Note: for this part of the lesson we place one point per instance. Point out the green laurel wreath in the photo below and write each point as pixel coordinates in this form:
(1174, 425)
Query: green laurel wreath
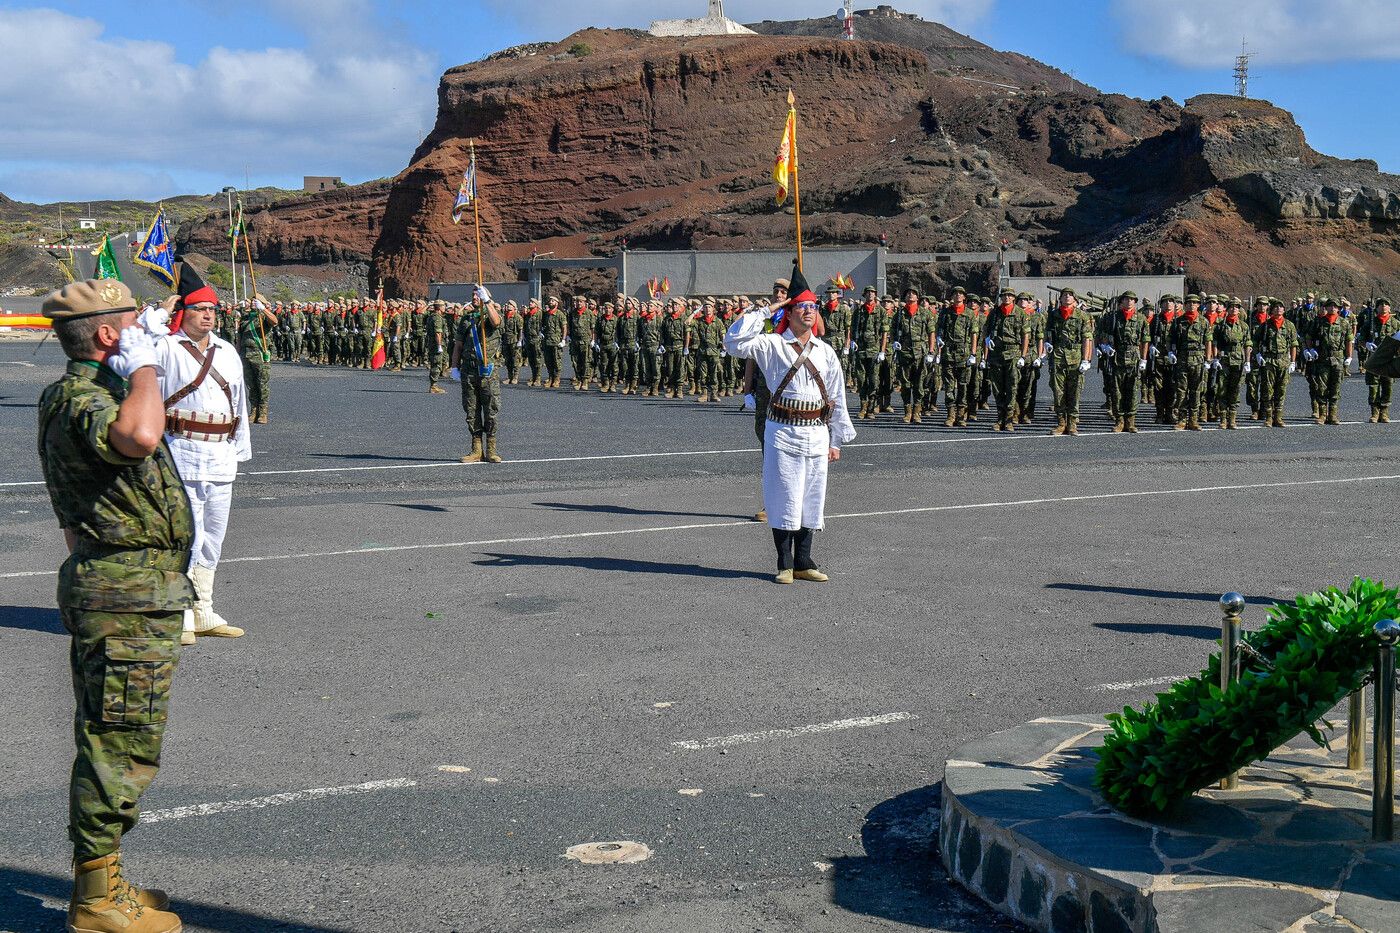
(1308, 657)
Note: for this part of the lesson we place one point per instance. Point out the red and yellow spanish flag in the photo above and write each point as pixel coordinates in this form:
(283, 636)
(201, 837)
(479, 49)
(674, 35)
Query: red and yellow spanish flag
(376, 359)
(786, 161)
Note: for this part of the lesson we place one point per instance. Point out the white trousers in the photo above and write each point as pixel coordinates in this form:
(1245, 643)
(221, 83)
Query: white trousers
(794, 486)
(210, 502)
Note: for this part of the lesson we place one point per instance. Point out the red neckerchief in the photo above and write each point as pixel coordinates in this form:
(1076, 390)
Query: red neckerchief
(1232, 319)
(1277, 322)
(1331, 318)
(911, 308)
(831, 305)
(1190, 315)
(1066, 312)
(1128, 314)
(1383, 316)
(1007, 309)
(709, 319)
(1260, 317)
(869, 307)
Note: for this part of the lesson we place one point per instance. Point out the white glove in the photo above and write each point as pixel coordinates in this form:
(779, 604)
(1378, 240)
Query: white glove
(1083, 366)
(561, 344)
(1348, 362)
(660, 351)
(636, 347)
(520, 343)
(156, 320)
(972, 361)
(595, 345)
(1171, 358)
(1247, 367)
(612, 346)
(1039, 362)
(135, 349)
(1214, 364)
(1258, 359)
(1106, 350)
(880, 357)
(1309, 355)
(749, 403)
(928, 359)
(455, 374)
(482, 293)
(896, 345)
(982, 365)
(685, 351)
(846, 351)
(723, 353)
(1292, 367)
(1142, 366)
(1152, 352)
(1020, 362)
(1370, 346)
(991, 343)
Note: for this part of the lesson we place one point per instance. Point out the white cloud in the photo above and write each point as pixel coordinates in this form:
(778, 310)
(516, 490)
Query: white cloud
(1207, 33)
(550, 20)
(337, 107)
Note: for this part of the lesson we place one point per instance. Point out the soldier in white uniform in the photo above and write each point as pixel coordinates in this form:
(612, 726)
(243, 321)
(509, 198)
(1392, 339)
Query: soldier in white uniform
(206, 427)
(807, 423)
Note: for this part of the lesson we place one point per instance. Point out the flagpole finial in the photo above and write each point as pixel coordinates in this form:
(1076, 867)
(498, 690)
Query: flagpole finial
(791, 100)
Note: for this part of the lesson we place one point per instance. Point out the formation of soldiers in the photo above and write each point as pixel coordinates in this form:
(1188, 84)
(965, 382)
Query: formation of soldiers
(1188, 359)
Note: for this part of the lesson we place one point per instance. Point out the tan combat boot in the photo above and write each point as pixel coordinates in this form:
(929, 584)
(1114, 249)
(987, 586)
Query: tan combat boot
(1059, 427)
(1010, 427)
(1384, 416)
(918, 414)
(475, 455)
(1375, 414)
(104, 902)
(1118, 425)
(1130, 424)
(491, 455)
(961, 421)
(1276, 420)
(952, 418)
(1193, 425)
(908, 414)
(1073, 427)
(436, 390)
(1332, 414)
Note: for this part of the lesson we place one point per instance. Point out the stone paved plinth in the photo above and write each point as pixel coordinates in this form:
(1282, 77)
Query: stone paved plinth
(1024, 828)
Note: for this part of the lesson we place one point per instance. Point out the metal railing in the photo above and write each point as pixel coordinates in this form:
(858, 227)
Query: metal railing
(1383, 699)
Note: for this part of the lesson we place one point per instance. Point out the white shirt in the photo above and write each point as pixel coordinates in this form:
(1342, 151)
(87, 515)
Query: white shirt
(206, 461)
(774, 355)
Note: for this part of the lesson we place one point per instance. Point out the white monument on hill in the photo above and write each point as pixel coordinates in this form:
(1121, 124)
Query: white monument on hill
(714, 24)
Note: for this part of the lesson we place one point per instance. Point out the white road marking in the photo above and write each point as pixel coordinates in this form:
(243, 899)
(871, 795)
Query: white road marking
(1134, 684)
(747, 738)
(1024, 435)
(917, 510)
(275, 800)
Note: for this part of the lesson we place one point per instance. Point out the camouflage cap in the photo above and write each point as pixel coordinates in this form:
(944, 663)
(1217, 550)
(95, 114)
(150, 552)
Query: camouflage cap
(1007, 291)
(1068, 293)
(1025, 296)
(1276, 302)
(870, 290)
(1382, 301)
(1330, 302)
(1235, 302)
(88, 298)
(1194, 298)
(1128, 294)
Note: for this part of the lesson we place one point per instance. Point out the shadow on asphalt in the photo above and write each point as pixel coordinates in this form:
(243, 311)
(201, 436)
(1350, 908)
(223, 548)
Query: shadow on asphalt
(1155, 594)
(1211, 632)
(618, 564)
(901, 877)
(23, 908)
(32, 619)
(394, 458)
(628, 510)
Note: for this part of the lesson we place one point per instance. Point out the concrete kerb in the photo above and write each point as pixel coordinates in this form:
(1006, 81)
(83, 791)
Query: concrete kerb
(1024, 829)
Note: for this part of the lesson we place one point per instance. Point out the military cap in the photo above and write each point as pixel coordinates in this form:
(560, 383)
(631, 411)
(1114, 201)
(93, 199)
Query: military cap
(1007, 291)
(1312, 294)
(88, 298)
(1276, 302)
(782, 283)
(1261, 299)
(1068, 291)
(1128, 294)
(1330, 303)
(959, 290)
(1235, 302)
(1382, 301)
(438, 303)
(1194, 297)
(1025, 296)
(911, 290)
(869, 290)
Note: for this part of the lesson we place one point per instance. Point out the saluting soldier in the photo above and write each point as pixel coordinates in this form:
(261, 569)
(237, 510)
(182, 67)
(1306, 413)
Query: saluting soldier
(122, 591)
(257, 360)
(475, 350)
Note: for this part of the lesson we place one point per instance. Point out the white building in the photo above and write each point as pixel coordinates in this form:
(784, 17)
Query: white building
(714, 24)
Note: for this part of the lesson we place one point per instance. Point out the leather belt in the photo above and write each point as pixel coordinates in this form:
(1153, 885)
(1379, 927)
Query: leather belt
(200, 425)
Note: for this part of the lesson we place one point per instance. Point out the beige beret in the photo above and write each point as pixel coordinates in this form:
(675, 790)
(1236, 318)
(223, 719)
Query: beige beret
(88, 298)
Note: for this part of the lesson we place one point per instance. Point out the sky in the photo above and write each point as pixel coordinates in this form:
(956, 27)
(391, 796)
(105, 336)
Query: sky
(128, 99)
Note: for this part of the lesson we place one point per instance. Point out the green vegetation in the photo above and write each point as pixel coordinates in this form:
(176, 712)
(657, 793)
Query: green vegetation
(1306, 659)
(218, 275)
(580, 50)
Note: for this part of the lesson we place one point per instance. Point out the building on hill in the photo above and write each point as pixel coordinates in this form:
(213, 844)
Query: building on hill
(313, 183)
(715, 23)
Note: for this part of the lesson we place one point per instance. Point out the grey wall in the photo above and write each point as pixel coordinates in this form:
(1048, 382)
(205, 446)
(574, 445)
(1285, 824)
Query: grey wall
(743, 272)
(461, 292)
(1148, 287)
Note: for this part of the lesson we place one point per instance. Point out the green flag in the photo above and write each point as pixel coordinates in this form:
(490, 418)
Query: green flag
(106, 261)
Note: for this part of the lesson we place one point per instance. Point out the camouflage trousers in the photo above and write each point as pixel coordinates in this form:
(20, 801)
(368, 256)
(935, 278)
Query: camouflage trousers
(1066, 382)
(257, 378)
(1273, 383)
(648, 367)
(437, 367)
(533, 360)
(1378, 390)
(581, 357)
(481, 400)
(551, 360)
(122, 665)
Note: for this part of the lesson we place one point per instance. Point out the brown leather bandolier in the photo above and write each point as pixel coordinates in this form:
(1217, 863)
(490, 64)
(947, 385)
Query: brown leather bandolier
(187, 423)
(781, 411)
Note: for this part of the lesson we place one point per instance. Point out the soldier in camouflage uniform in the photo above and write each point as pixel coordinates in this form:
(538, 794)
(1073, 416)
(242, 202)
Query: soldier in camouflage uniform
(913, 342)
(673, 348)
(836, 319)
(1372, 330)
(1252, 373)
(1275, 354)
(257, 359)
(1006, 341)
(554, 329)
(1069, 336)
(629, 348)
(1188, 345)
(530, 338)
(1124, 337)
(961, 349)
(1231, 349)
(122, 591)
(511, 339)
(475, 351)
(1329, 351)
(868, 336)
(1029, 384)
(580, 324)
(439, 344)
(649, 346)
(707, 348)
(608, 349)
(296, 331)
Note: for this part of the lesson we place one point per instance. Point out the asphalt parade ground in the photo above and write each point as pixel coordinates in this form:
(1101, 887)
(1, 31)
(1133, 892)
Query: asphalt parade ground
(454, 673)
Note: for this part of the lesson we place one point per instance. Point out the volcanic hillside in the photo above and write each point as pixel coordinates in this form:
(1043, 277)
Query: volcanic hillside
(932, 138)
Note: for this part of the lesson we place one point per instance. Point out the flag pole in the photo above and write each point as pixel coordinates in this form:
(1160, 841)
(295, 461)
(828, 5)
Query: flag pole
(480, 282)
(796, 191)
(253, 274)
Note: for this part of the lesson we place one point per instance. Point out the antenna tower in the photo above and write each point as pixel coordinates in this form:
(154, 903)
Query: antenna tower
(846, 15)
(1242, 71)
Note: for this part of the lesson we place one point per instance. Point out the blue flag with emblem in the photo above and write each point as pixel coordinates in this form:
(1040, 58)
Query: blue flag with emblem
(466, 192)
(157, 252)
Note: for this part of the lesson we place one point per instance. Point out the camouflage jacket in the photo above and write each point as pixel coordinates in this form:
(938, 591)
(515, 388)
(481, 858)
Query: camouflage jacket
(1275, 343)
(131, 517)
(472, 363)
(868, 328)
(1065, 336)
(1232, 342)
